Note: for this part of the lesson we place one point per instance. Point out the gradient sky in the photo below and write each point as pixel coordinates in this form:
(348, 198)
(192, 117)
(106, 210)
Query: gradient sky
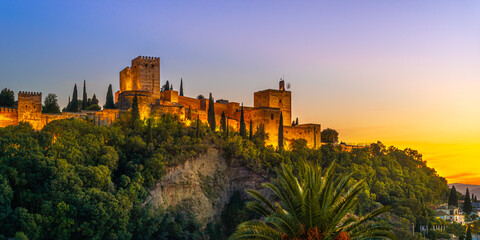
(406, 73)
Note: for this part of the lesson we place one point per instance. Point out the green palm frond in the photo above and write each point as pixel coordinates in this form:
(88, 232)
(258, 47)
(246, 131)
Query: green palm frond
(312, 200)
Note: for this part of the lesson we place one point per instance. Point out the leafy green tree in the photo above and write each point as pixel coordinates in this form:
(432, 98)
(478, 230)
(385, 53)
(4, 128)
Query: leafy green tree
(85, 98)
(243, 130)
(223, 122)
(74, 102)
(109, 104)
(312, 206)
(467, 203)
(135, 110)
(280, 132)
(181, 86)
(50, 104)
(329, 136)
(7, 98)
(453, 199)
(211, 113)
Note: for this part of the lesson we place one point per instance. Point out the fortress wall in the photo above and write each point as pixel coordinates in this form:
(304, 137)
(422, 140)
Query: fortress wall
(146, 72)
(309, 132)
(126, 81)
(174, 110)
(8, 116)
(193, 103)
(232, 108)
(268, 117)
(30, 108)
(145, 100)
(275, 99)
(50, 117)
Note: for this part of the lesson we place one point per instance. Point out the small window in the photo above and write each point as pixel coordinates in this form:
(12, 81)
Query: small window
(153, 66)
(280, 101)
(146, 65)
(271, 116)
(26, 106)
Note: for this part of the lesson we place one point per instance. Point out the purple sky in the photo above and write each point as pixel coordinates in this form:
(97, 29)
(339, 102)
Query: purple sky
(404, 72)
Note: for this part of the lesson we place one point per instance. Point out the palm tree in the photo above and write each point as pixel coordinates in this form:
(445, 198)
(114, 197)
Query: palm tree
(312, 207)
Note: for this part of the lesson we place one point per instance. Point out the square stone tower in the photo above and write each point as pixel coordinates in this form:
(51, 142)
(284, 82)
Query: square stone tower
(143, 75)
(30, 108)
(280, 99)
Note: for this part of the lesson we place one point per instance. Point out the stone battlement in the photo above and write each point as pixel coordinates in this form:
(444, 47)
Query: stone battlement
(147, 59)
(8, 110)
(29, 94)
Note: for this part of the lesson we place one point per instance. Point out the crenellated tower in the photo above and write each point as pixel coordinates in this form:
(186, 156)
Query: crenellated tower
(30, 108)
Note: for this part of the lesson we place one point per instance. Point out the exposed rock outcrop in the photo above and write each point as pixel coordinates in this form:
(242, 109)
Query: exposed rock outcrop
(203, 185)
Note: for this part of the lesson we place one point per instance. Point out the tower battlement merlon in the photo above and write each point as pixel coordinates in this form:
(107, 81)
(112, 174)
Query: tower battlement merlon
(8, 110)
(29, 94)
(146, 59)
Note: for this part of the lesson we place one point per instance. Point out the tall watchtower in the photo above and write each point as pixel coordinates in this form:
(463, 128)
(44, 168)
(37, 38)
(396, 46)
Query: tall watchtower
(145, 72)
(280, 99)
(30, 108)
(143, 75)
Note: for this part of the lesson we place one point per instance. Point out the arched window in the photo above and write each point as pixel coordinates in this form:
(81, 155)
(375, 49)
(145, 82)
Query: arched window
(271, 116)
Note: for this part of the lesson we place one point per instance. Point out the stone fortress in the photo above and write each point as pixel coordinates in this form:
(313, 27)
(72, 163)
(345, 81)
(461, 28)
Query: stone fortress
(143, 79)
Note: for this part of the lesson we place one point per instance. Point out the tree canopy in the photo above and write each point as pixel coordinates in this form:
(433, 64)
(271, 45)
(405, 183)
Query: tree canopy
(329, 136)
(7, 98)
(50, 104)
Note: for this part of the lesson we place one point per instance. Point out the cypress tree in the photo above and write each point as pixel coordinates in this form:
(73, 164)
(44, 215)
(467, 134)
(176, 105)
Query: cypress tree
(109, 104)
(467, 204)
(243, 130)
(74, 103)
(189, 114)
(296, 121)
(85, 98)
(69, 105)
(135, 110)
(223, 122)
(280, 132)
(227, 128)
(211, 113)
(198, 126)
(181, 87)
(94, 100)
(251, 130)
(452, 199)
(469, 233)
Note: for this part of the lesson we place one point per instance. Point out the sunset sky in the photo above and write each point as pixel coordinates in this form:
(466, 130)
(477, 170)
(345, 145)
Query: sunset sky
(406, 73)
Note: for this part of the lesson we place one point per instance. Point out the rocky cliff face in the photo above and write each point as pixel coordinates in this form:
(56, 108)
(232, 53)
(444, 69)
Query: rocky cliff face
(203, 185)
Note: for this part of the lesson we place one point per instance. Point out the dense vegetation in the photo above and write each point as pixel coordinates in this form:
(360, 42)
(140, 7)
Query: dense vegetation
(74, 180)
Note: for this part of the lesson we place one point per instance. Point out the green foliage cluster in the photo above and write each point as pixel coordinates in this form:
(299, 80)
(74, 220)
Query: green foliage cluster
(73, 180)
(394, 177)
(7, 98)
(50, 104)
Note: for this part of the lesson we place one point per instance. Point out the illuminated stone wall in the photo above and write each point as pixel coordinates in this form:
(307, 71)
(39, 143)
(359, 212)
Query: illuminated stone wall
(30, 108)
(193, 103)
(8, 116)
(309, 132)
(144, 98)
(275, 99)
(145, 72)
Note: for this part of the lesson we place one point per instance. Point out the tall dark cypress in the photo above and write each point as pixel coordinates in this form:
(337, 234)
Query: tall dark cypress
(280, 132)
(243, 130)
(74, 103)
(85, 98)
(467, 204)
(251, 130)
(452, 199)
(109, 104)
(198, 126)
(181, 87)
(211, 113)
(469, 233)
(223, 122)
(135, 110)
